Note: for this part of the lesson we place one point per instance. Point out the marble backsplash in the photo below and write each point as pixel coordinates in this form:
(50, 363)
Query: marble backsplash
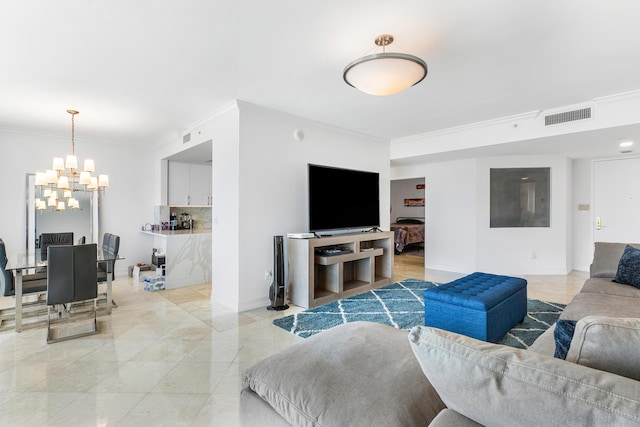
(201, 215)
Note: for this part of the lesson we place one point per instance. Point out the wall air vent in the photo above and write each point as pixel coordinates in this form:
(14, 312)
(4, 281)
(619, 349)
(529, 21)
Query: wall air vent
(186, 138)
(567, 116)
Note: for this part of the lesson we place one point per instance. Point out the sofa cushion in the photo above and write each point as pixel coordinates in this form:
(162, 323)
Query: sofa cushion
(607, 286)
(503, 386)
(606, 257)
(256, 412)
(449, 418)
(607, 343)
(629, 267)
(587, 304)
(563, 333)
(545, 343)
(358, 373)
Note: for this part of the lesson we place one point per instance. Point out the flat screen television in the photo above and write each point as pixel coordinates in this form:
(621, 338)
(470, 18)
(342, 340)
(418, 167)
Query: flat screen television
(343, 198)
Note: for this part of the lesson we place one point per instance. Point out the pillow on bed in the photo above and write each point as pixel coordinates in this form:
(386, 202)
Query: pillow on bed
(409, 221)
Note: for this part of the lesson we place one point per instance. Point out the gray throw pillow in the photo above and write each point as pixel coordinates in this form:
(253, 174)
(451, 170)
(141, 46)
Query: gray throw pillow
(629, 267)
(607, 343)
(495, 385)
(356, 374)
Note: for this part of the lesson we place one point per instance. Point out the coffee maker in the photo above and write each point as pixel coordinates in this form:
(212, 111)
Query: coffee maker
(186, 221)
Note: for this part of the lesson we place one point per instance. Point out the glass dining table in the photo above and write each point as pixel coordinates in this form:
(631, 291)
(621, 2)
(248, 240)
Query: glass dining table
(22, 263)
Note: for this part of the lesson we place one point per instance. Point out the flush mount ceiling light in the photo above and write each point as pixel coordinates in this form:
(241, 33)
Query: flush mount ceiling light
(385, 73)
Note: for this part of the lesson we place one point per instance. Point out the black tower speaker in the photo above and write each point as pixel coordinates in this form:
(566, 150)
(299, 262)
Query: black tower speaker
(277, 291)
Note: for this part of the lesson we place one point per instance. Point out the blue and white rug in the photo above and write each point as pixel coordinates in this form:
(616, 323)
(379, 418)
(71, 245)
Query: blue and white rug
(401, 305)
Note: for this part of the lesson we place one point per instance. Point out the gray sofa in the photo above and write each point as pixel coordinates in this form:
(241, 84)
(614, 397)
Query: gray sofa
(372, 375)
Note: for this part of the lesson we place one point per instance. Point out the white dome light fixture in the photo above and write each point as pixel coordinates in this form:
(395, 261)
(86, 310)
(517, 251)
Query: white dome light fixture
(385, 73)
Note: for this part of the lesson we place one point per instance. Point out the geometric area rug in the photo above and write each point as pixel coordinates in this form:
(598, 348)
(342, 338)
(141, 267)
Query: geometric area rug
(401, 305)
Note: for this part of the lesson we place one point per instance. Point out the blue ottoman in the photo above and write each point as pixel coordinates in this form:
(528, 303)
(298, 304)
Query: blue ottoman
(482, 306)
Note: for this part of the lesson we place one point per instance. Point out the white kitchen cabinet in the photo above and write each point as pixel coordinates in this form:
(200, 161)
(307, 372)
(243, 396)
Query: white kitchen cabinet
(189, 184)
(200, 185)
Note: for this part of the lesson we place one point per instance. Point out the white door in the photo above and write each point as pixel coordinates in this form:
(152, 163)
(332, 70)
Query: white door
(616, 200)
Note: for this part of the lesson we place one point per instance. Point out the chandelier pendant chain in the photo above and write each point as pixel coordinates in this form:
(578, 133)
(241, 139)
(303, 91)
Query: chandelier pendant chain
(73, 131)
(73, 136)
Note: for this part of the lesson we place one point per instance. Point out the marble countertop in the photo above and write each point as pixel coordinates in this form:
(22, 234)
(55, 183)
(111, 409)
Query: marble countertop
(167, 233)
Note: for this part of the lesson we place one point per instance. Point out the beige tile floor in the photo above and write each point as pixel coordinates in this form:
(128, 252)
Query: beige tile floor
(165, 358)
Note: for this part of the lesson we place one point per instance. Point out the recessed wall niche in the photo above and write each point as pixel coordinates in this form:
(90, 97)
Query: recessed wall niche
(520, 197)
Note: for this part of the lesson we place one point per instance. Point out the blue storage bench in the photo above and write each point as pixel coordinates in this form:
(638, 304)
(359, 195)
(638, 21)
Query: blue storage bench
(480, 305)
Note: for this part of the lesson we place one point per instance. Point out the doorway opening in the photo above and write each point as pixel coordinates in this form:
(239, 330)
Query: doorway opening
(408, 218)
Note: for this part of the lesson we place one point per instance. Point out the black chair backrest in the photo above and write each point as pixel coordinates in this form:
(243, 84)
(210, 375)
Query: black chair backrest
(105, 241)
(110, 248)
(114, 245)
(72, 273)
(48, 239)
(6, 278)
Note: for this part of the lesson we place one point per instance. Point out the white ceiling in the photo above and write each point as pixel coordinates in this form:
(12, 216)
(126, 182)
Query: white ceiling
(140, 71)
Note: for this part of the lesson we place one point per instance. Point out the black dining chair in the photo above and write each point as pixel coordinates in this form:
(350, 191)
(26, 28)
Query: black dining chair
(48, 239)
(110, 248)
(31, 283)
(72, 279)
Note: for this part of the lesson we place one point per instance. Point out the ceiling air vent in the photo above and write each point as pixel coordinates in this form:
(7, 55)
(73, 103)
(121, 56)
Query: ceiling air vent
(567, 116)
(186, 138)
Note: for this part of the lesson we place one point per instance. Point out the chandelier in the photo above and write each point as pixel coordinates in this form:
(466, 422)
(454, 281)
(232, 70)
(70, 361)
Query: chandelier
(385, 73)
(61, 181)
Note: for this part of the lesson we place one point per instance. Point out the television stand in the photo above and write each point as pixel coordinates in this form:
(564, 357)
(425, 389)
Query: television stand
(318, 275)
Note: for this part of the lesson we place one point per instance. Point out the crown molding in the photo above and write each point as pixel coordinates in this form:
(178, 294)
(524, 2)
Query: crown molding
(250, 107)
(226, 108)
(510, 120)
(45, 134)
(619, 97)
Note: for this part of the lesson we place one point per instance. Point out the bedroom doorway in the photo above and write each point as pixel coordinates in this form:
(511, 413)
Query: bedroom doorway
(408, 219)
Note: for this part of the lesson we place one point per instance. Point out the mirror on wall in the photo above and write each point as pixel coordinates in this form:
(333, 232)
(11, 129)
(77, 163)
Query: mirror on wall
(82, 221)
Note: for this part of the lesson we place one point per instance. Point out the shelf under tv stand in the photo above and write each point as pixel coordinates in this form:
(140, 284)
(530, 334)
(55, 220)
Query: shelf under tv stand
(318, 279)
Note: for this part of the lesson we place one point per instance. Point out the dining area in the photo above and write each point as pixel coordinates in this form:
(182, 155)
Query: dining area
(64, 284)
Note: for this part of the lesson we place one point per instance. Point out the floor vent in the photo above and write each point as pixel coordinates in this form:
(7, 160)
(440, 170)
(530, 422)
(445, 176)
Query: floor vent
(567, 116)
(186, 138)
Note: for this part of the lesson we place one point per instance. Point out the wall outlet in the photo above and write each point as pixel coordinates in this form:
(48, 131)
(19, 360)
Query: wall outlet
(534, 255)
(268, 275)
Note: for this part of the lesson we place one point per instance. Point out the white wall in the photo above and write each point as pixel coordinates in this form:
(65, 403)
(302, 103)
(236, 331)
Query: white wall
(273, 184)
(582, 219)
(226, 220)
(450, 211)
(222, 128)
(458, 237)
(539, 250)
(406, 189)
(123, 205)
(260, 188)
